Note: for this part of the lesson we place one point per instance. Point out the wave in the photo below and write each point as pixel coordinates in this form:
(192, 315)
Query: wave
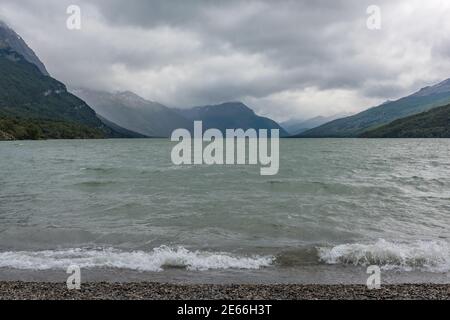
(156, 260)
(430, 256)
(95, 183)
(425, 256)
(99, 169)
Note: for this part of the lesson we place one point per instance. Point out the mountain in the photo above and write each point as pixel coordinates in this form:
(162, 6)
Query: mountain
(431, 124)
(353, 126)
(230, 115)
(10, 39)
(122, 132)
(295, 127)
(36, 106)
(130, 111)
(156, 120)
(33, 105)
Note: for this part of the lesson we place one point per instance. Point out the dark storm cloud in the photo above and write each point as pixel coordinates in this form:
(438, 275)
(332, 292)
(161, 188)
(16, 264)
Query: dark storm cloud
(286, 58)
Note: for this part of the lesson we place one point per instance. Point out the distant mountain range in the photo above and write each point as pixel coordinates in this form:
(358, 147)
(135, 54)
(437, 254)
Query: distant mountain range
(153, 119)
(295, 127)
(230, 115)
(130, 111)
(35, 106)
(430, 124)
(354, 126)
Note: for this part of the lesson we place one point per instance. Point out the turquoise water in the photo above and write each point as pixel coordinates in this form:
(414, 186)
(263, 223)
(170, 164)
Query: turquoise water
(121, 207)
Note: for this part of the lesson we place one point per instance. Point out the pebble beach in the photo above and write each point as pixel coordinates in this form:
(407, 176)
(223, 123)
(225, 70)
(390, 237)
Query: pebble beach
(159, 291)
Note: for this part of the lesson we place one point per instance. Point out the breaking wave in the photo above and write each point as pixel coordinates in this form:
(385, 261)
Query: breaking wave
(431, 256)
(156, 260)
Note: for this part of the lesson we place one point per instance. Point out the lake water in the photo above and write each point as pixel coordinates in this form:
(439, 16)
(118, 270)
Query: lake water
(122, 211)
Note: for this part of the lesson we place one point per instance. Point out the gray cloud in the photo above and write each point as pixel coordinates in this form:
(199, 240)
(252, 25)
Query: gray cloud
(289, 58)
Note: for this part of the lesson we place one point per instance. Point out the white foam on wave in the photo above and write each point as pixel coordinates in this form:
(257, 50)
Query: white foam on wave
(431, 256)
(154, 260)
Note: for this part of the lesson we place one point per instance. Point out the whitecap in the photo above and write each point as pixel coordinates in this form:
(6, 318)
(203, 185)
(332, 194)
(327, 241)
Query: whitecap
(155, 260)
(431, 256)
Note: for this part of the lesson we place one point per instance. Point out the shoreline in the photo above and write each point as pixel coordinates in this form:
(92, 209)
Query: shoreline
(18, 290)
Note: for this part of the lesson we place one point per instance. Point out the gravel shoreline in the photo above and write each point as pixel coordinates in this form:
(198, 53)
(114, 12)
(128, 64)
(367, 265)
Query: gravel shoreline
(159, 291)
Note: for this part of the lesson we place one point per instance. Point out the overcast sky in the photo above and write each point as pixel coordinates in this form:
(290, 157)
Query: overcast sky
(285, 59)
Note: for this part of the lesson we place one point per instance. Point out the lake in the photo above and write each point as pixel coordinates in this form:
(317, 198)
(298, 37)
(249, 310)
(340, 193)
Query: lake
(122, 211)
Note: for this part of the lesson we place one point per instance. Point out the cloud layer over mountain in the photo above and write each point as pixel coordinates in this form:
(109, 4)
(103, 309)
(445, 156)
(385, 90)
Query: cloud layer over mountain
(289, 58)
